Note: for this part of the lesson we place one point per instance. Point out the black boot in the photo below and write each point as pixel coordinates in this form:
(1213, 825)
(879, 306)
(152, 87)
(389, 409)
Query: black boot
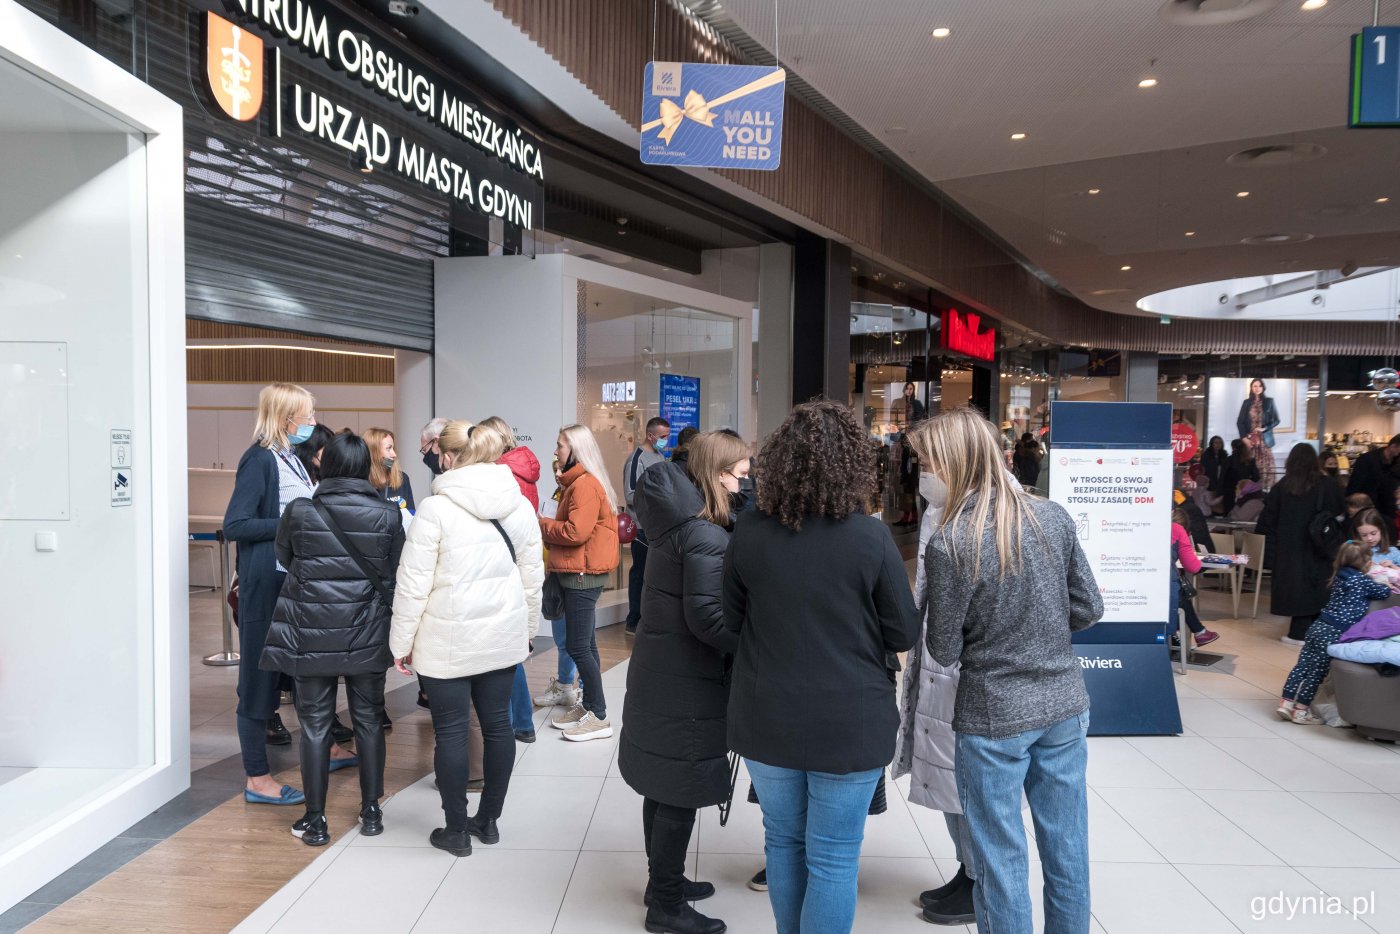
(277, 734)
(371, 820)
(484, 830)
(456, 842)
(954, 908)
(691, 891)
(341, 733)
(684, 920)
(312, 830)
(943, 891)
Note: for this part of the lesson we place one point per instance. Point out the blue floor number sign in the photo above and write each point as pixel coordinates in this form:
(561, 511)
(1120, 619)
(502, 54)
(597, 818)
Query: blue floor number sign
(720, 116)
(1375, 77)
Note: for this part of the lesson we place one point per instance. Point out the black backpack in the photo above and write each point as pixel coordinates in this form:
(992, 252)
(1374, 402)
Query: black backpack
(1325, 531)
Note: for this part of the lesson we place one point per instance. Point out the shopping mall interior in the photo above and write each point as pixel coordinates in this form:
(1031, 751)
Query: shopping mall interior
(1119, 230)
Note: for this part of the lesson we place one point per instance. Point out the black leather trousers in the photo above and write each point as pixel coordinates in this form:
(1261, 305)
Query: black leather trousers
(315, 699)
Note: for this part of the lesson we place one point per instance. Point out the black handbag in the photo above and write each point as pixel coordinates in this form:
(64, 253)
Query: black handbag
(552, 598)
(1185, 589)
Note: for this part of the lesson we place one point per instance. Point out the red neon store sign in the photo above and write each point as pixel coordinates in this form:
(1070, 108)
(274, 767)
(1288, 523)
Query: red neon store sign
(960, 334)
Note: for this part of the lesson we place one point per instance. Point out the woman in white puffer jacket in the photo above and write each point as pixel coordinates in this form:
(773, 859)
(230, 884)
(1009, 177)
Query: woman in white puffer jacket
(466, 607)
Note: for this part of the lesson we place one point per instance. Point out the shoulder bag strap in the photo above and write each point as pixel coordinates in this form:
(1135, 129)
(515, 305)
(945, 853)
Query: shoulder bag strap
(509, 546)
(354, 553)
(632, 468)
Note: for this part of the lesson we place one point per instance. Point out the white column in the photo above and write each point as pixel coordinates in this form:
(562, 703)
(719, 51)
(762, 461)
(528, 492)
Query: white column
(413, 407)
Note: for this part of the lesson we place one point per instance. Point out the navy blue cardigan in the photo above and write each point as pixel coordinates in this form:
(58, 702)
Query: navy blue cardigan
(251, 520)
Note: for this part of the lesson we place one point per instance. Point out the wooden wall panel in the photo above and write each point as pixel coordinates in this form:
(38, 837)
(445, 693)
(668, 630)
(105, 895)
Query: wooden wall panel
(274, 364)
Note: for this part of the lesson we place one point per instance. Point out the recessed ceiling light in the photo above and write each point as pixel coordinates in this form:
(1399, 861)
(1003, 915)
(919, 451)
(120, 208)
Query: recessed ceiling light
(1190, 233)
(1311, 5)
(1018, 136)
(1382, 200)
(1125, 268)
(1147, 83)
(1241, 194)
(1093, 191)
(942, 32)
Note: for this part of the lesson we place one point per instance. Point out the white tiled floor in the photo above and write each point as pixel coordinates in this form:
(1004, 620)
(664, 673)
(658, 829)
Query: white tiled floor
(1190, 833)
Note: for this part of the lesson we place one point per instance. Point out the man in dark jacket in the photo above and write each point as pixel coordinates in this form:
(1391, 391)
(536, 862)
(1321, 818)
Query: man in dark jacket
(1373, 473)
(341, 550)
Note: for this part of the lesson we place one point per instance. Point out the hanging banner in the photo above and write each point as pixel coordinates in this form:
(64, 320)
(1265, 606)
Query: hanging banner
(716, 116)
(1110, 466)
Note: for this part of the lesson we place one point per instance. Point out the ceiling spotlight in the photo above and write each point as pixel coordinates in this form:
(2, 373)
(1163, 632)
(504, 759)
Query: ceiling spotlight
(1241, 194)
(1018, 136)
(1190, 233)
(1382, 200)
(1147, 83)
(1310, 5)
(942, 32)
(1125, 268)
(1093, 191)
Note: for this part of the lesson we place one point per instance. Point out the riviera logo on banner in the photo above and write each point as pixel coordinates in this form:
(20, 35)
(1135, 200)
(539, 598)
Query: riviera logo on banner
(719, 116)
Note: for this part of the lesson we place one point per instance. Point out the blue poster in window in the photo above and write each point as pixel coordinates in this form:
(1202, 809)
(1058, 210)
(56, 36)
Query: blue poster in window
(720, 116)
(680, 401)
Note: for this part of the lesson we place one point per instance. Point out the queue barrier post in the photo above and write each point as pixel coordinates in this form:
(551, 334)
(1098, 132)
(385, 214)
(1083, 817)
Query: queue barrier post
(228, 656)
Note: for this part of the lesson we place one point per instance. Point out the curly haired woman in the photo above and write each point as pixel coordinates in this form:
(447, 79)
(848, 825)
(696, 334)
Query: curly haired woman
(818, 597)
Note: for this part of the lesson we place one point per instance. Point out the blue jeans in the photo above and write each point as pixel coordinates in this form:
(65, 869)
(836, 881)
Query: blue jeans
(1049, 764)
(813, 826)
(580, 615)
(522, 711)
(568, 671)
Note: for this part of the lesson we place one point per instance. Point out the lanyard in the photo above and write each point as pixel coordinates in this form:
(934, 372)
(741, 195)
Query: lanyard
(297, 467)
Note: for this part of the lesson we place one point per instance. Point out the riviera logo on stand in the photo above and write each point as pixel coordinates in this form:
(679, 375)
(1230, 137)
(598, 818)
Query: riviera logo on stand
(720, 116)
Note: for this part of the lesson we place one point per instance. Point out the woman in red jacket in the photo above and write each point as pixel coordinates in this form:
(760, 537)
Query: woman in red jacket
(526, 468)
(1185, 553)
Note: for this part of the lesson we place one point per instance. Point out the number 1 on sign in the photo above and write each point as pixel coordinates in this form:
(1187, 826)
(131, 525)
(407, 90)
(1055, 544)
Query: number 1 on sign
(1380, 50)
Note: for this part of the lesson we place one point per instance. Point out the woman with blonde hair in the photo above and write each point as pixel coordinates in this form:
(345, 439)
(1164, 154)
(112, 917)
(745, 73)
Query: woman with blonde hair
(583, 551)
(270, 476)
(465, 609)
(385, 473)
(672, 750)
(1006, 584)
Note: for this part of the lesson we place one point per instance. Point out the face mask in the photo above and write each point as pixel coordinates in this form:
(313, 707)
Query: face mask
(660, 443)
(934, 490)
(430, 460)
(302, 434)
(388, 463)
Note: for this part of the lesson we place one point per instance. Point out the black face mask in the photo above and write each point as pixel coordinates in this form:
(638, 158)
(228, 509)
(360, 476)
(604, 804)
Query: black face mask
(744, 500)
(1333, 471)
(431, 461)
(570, 464)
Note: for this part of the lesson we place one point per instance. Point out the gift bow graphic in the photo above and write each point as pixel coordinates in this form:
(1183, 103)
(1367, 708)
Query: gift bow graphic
(698, 109)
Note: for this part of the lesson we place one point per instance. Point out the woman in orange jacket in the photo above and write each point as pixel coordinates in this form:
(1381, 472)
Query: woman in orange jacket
(583, 551)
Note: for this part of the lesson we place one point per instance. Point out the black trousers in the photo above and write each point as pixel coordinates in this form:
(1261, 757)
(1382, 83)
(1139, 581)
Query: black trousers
(315, 699)
(635, 578)
(581, 624)
(451, 701)
(667, 829)
(1298, 626)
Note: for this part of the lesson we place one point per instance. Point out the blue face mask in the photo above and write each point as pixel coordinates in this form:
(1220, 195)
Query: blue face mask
(660, 443)
(303, 433)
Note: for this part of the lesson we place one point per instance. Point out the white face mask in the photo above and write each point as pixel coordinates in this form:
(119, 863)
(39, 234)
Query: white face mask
(934, 490)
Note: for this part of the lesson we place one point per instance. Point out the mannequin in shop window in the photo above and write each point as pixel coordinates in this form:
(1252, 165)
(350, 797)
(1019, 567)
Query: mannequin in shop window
(914, 410)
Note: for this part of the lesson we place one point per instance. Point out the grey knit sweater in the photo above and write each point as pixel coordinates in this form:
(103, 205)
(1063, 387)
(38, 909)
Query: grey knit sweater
(1012, 635)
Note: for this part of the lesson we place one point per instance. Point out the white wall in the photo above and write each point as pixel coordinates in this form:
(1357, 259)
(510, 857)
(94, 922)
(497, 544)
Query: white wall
(95, 634)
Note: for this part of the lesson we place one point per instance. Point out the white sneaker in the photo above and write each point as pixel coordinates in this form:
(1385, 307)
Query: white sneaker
(569, 718)
(589, 727)
(1287, 641)
(558, 695)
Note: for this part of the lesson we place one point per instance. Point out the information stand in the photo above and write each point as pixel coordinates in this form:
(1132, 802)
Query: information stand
(1111, 468)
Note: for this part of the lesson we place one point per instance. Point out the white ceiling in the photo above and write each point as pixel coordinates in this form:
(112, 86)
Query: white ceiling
(1065, 72)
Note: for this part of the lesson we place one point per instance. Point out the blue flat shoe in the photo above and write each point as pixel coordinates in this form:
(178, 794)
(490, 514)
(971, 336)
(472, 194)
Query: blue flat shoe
(338, 764)
(289, 795)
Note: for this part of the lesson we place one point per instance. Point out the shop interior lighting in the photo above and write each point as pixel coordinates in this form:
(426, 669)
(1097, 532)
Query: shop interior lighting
(297, 347)
(942, 32)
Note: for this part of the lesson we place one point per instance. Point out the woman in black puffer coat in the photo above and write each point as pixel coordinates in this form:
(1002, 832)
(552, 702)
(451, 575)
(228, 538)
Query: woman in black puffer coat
(673, 750)
(331, 621)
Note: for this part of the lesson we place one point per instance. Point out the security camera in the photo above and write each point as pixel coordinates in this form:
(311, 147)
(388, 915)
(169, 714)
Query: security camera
(403, 8)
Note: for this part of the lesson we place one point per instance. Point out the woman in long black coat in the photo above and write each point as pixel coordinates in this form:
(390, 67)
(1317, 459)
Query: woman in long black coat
(1300, 572)
(673, 750)
(332, 621)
